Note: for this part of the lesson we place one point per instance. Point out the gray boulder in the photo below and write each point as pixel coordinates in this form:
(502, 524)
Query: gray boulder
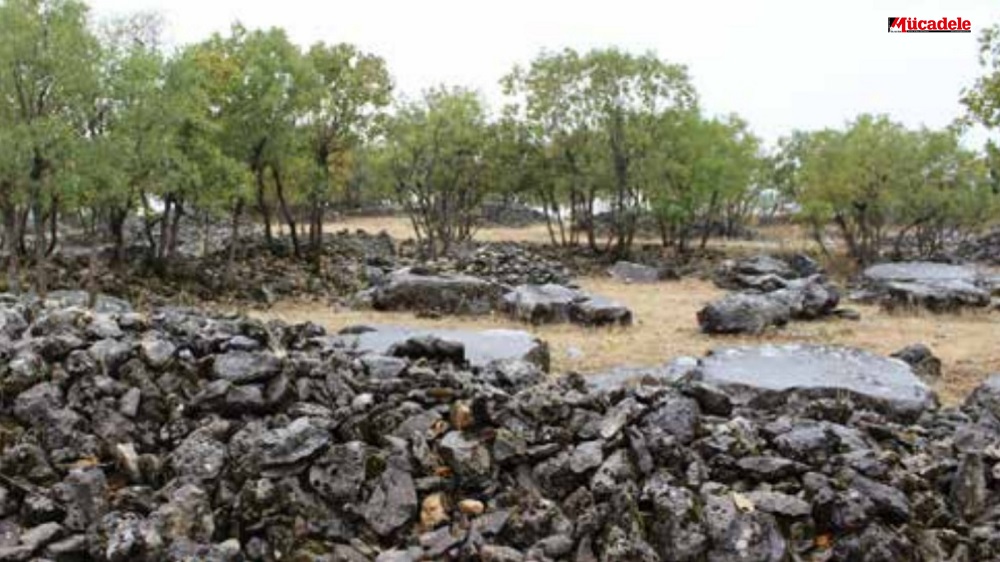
(922, 360)
(540, 304)
(743, 313)
(629, 272)
(242, 367)
(809, 298)
(415, 290)
(554, 304)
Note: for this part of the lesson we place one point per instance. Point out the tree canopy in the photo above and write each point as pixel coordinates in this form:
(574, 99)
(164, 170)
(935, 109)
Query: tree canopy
(101, 122)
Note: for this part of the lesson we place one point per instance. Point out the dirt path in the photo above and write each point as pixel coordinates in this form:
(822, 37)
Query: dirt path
(666, 328)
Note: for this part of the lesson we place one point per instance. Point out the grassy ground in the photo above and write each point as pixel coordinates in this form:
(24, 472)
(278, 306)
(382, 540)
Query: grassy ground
(779, 238)
(666, 327)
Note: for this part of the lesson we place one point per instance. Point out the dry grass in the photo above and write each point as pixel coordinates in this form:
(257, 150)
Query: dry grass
(666, 328)
(782, 238)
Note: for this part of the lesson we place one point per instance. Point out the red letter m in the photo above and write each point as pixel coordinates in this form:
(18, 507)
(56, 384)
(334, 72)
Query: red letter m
(898, 23)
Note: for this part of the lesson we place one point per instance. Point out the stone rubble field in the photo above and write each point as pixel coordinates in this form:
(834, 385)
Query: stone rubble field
(175, 435)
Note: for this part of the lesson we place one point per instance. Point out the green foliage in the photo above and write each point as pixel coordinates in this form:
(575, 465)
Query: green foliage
(599, 118)
(435, 158)
(876, 177)
(983, 99)
(705, 172)
(105, 123)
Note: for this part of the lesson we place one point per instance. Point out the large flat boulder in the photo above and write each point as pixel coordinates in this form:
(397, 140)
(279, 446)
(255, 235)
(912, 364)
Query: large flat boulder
(555, 304)
(481, 347)
(771, 371)
(421, 291)
(938, 287)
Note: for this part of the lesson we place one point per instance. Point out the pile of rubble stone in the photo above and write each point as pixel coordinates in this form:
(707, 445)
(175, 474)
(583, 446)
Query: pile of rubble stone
(510, 263)
(514, 215)
(767, 292)
(175, 436)
(985, 249)
(261, 273)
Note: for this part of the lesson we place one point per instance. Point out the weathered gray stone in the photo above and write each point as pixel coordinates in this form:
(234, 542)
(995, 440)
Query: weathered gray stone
(467, 456)
(820, 371)
(635, 273)
(743, 313)
(554, 304)
(411, 289)
(922, 360)
(393, 503)
(243, 367)
(938, 287)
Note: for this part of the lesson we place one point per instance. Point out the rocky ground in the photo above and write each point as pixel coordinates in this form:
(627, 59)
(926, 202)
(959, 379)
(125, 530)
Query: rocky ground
(174, 435)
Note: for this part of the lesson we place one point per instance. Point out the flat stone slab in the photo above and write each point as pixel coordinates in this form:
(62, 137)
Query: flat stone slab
(921, 271)
(821, 371)
(938, 287)
(481, 347)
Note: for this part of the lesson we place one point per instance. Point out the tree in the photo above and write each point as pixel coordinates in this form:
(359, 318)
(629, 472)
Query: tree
(48, 60)
(127, 124)
(603, 105)
(982, 100)
(435, 158)
(877, 180)
(260, 85)
(344, 111)
(199, 168)
(700, 175)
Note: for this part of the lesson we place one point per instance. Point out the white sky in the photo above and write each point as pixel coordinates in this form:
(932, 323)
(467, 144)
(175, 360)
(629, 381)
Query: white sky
(781, 64)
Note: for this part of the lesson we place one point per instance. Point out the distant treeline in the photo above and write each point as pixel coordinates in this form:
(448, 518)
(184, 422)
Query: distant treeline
(103, 123)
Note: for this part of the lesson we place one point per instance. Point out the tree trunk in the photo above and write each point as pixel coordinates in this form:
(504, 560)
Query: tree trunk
(262, 206)
(92, 276)
(289, 218)
(706, 227)
(11, 238)
(204, 249)
(234, 238)
(148, 223)
(161, 250)
(22, 230)
(41, 279)
(175, 224)
(53, 226)
(316, 233)
(116, 224)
